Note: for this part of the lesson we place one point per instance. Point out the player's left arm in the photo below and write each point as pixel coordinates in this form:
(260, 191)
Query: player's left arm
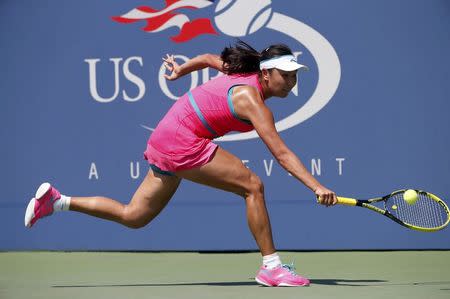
(197, 63)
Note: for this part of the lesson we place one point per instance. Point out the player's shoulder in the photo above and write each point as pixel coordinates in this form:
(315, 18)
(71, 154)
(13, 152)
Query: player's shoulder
(247, 95)
(247, 102)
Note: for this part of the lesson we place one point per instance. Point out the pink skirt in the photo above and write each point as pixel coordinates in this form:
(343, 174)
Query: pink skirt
(176, 144)
(175, 162)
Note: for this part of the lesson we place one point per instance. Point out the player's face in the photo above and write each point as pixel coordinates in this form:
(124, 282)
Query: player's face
(281, 82)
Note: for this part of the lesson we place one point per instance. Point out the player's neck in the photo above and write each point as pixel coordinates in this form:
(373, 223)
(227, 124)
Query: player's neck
(265, 89)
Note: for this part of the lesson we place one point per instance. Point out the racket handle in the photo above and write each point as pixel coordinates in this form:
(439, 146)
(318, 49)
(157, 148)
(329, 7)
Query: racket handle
(343, 201)
(346, 201)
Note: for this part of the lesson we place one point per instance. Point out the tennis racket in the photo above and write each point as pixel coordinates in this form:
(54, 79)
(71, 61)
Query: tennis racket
(428, 214)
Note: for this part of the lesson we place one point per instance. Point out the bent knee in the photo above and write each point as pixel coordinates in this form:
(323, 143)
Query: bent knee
(136, 224)
(134, 220)
(253, 186)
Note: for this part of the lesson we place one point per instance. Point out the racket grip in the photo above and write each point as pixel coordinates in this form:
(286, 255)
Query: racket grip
(346, 201)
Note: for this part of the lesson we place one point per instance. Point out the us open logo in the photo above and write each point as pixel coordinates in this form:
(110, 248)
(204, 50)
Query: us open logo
(239, 18)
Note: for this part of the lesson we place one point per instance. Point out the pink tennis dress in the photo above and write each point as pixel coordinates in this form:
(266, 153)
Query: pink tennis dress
(183, 138)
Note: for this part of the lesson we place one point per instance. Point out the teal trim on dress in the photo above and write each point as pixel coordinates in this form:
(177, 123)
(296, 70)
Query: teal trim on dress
(160, 171)
(200, 115)
(230, 105)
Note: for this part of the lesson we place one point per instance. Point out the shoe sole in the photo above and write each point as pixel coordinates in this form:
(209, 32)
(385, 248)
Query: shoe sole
(283, 284)
(261, 282)
(42, 190)
(29, 213)
(40, 193)
(292, 285)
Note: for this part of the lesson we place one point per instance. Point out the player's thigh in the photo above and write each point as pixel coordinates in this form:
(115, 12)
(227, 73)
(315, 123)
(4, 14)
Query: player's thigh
(225, 171)
(152, 196)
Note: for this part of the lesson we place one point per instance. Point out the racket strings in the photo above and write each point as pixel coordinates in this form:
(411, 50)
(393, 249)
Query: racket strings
(426, 212)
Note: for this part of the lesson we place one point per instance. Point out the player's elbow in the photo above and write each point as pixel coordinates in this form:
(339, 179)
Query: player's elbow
(209, 58)
(213, 61)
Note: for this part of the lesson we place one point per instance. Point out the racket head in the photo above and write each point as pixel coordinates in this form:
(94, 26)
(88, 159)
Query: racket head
(428, 214)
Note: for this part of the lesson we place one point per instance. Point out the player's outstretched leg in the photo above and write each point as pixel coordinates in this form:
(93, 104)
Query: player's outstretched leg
(149, 199)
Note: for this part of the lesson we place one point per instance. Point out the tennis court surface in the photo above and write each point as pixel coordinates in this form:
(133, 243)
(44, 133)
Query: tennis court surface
(389, 274)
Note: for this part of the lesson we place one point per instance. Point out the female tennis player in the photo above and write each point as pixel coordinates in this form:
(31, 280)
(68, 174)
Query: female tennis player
(181, 147)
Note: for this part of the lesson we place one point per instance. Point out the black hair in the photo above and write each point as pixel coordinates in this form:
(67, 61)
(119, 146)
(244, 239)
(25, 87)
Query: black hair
(244, 59)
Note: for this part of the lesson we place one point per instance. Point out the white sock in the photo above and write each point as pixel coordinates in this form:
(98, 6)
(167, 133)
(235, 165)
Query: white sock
(61, 204)
(271, 261)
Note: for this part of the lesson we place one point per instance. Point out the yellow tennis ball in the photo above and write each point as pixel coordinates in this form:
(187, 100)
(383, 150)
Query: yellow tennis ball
(410, 196)
(394, 207)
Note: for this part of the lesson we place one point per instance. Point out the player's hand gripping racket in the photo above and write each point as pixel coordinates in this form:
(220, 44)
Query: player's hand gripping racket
(427, 213)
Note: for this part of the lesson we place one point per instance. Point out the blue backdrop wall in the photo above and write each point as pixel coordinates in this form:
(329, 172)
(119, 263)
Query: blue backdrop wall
(82, 87)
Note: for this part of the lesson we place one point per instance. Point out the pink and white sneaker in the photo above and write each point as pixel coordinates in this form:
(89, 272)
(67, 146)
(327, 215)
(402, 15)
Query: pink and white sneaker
(42, 204)
(282, 276)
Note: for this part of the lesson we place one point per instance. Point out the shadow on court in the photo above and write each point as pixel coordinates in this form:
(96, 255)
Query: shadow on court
(330, 282)
(217, 284)
(326, 282)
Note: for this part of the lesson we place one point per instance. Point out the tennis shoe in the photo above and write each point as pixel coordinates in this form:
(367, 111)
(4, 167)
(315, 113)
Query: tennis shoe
(281, 276)
(42, 204)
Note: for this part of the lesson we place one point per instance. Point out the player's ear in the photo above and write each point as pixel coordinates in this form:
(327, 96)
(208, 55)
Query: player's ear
(265, 74)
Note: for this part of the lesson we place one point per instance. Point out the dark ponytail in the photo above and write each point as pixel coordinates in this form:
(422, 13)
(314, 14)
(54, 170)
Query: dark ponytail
(244, 59)
(240, 59)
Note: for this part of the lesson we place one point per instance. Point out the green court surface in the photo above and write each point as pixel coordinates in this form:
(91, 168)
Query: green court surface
(397, 274)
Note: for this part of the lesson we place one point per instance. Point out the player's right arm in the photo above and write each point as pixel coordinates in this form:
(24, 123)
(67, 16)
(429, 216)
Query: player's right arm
(250, 106)
(197, 63)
